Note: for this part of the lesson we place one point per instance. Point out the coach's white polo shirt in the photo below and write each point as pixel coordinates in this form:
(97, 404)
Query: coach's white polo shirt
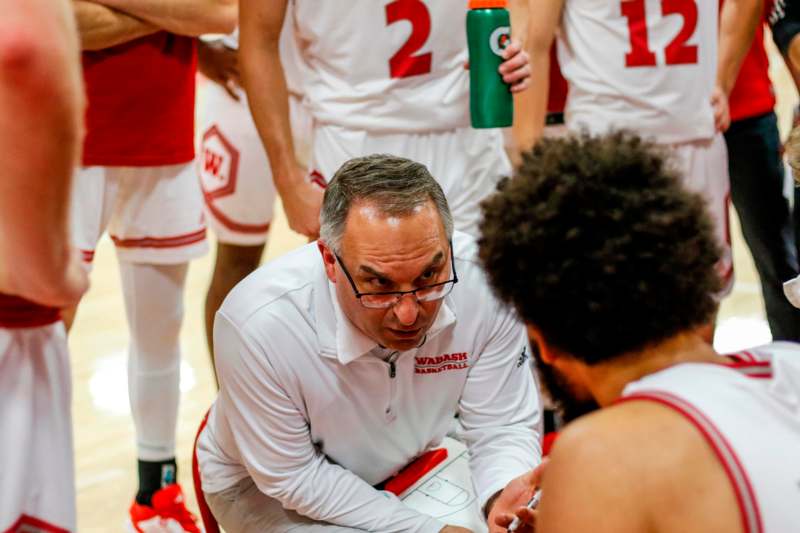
(311, 410)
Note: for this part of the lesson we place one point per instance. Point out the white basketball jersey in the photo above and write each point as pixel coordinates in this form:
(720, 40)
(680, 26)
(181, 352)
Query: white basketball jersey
(391, 66)
(749, 413)
(644, 65)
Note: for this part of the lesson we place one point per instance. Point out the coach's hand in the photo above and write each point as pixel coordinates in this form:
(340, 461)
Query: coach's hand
(512, 503)
(302, 200)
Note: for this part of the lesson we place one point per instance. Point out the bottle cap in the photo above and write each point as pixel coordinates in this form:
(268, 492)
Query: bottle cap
(487, 4)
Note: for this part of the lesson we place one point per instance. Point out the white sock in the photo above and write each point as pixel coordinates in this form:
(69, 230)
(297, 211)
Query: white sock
(154, 307)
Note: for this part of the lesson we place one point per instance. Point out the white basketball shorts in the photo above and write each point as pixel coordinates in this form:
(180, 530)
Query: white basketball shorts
(37, 479)
(704, 167)
(153, 214)
(233, 168)
(467, 163)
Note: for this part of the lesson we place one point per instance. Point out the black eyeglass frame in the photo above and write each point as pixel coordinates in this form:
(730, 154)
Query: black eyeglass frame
(400, 294)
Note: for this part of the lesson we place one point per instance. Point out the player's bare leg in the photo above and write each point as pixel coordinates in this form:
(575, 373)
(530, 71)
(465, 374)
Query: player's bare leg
(233, 264)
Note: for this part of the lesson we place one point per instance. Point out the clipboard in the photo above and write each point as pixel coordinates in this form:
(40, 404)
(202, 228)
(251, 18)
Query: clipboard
(443, 487)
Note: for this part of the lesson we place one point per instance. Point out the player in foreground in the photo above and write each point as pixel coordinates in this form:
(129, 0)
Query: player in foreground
(41, 107)
(611, 263)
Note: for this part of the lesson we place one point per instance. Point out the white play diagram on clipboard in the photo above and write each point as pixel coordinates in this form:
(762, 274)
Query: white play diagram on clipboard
(446, 492)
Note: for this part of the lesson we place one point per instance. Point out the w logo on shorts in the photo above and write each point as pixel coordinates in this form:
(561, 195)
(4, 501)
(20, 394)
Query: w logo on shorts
(212, 162)
(219, 164)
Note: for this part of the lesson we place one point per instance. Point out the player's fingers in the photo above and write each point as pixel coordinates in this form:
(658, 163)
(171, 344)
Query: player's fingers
(517, 62)
(521, 86)
(517, 75)
(512, 49)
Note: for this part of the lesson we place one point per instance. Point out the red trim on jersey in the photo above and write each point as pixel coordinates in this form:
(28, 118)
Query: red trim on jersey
(753, 357)
(16, 312)
(31, 521)
(745, 497)
(756, 369)
(161, 242)
(88, 255)
(231, 224)
(742, 357)
(750, 364)
(317, 178)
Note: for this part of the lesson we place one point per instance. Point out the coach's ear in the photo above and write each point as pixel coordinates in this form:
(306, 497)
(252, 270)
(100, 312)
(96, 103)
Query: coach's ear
(546, 351)
(328, 259)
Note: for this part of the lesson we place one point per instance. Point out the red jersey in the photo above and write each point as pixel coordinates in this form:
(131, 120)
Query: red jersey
(557, 95)
(16, 312)
(141, 102)
(752, 95)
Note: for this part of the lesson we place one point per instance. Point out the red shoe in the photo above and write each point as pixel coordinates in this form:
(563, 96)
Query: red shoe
(167, 514)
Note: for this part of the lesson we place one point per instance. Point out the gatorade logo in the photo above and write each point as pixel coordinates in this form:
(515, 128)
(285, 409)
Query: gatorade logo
(499, 39)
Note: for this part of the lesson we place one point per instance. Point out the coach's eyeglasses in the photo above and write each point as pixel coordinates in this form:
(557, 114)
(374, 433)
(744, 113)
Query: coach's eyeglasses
(385, 300)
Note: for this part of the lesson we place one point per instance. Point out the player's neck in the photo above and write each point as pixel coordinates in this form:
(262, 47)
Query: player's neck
(608, 380)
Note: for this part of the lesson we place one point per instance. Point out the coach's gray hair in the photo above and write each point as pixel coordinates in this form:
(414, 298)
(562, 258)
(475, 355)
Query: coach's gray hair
(395, 185)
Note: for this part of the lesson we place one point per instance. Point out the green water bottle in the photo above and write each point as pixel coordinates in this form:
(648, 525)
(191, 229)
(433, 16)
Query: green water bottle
(491, 104)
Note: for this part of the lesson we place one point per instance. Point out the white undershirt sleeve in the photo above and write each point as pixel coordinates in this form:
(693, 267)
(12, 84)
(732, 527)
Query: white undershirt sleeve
(274, 444)
(500, 409)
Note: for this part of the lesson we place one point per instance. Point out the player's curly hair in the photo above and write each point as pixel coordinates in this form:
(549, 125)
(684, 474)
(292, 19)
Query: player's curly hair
(596, 242)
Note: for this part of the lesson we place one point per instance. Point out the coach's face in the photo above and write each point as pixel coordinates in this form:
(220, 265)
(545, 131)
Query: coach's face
(388, 254)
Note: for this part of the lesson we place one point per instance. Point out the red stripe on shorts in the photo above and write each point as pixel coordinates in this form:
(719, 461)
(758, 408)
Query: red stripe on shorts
(161, 242)
(230, 224)
(27, 524)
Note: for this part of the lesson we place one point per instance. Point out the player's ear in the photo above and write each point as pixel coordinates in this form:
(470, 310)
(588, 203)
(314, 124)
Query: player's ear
(545, 350)
(328, 260)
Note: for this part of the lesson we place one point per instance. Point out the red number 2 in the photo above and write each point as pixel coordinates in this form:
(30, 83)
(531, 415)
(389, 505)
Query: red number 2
(404, 63)
(677, 52)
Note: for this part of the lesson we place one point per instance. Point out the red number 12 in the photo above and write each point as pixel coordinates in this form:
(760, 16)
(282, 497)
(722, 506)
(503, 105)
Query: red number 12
(677, 52)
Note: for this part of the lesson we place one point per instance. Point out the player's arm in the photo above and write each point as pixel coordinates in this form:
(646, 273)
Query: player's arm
(738, 22)
(182, 17)
(523, 129)
(102, 27)
(793, 51)
(265, 82)
(543, 19)
(41, 108)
